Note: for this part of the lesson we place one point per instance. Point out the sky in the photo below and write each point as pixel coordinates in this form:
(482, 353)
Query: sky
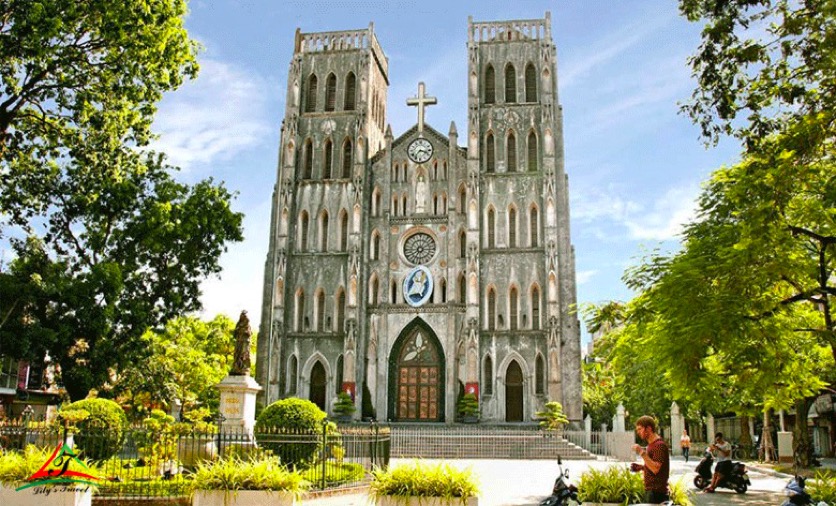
(635, 164)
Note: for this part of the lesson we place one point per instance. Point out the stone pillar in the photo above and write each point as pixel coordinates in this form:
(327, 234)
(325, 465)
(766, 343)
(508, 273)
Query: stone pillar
(781, 419)
(618, 421)
(710, 427)
(238, 403)
(785, 447)
(587, 431)
(677, 426)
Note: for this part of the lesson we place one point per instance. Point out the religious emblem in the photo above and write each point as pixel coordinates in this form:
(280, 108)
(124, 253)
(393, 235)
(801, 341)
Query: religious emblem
(418, 286)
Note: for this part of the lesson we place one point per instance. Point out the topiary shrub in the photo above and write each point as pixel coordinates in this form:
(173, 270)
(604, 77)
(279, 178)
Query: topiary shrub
(292, 429)
(101, 433)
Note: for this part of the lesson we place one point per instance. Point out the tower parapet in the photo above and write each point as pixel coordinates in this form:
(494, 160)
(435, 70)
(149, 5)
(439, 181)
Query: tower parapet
(504, 31)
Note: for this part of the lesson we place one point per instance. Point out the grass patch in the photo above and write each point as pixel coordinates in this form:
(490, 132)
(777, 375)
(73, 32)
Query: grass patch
(335, 474)
(616, 484)
(424, 480)
(822, 487)
(236, 474)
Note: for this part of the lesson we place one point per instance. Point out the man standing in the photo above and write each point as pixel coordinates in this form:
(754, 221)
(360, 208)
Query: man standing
(722, 453)
(685, 444)
(656, 458)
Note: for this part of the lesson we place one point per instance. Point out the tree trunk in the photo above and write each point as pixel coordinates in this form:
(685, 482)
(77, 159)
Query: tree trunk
(767, 446)
(802, 447)
(745, 436)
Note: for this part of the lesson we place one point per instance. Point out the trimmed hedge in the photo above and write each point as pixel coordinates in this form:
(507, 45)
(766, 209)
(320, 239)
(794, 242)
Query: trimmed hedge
(101, 434)
(292, 429)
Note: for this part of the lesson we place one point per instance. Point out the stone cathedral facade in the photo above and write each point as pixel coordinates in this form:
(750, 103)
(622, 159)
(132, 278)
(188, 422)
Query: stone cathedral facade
(408, 270)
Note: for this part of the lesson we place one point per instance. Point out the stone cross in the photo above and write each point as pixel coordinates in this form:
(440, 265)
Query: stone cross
(421, 101)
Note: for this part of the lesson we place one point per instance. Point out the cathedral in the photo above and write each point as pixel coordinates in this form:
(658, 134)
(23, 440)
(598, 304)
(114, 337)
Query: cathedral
(407, 271)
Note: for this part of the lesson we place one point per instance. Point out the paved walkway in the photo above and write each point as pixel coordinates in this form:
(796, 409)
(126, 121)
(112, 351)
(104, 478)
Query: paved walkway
(527, 482)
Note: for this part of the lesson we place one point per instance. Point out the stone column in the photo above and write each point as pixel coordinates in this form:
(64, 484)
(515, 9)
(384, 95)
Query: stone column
(587, 431)
(677, 426)
(710, 428)
(618, 421)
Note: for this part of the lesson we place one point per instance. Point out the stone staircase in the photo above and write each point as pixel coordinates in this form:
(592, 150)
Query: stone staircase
(481, 442)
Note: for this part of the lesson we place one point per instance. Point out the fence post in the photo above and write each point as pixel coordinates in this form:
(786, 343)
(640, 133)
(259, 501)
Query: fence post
(324, 451)
(219, 419)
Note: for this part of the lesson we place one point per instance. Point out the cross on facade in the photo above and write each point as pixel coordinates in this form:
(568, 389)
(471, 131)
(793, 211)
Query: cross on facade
(421, 101)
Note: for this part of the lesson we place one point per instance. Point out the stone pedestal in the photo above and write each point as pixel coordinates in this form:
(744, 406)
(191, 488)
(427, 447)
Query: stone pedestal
(785, 447)
(677, 427)
(238, 403)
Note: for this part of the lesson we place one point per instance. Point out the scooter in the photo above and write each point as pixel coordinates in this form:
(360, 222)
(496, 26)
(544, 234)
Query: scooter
(737, 479)
(563, 493)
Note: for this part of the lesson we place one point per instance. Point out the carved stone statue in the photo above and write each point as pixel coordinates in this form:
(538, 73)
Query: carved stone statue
(241, 360)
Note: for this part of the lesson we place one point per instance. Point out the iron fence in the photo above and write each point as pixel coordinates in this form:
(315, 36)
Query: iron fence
(141, 462)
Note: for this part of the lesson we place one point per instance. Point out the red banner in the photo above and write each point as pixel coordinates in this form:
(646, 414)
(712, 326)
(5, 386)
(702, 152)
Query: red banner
(350, 388)
(472, 388)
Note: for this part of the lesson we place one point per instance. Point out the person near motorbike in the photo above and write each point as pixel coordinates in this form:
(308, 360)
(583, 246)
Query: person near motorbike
(721, 450)
(656, 459)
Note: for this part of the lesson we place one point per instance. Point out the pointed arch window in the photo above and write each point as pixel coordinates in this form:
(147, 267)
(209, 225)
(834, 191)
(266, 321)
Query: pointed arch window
(532, 152)
(512, 227)
(462, 295)
(310, 97)
(462, 245)
(303, 231)
(393, 292)
(376, 246)
(511, 152)
(535, 308)
(530, 83)
(307, 160)
(339, 383)
(490, 153)
(510, 84)
(462, 199)
(340, 311)
(327, 159)
(344, 231)
(347, 153)
(533, 225)
(300, 310)
(442, 287)
(487, 376)
(350, 91)
(375, 292)
(490, 85)
(491, 228)
(513, 309)
(330, 92)
(292, 375)
(323, 231)
(320, 311)
(491, 309)
(376, 202)
(539, 375)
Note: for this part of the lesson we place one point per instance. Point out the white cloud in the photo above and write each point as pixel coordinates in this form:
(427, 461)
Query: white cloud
(213, 118)
(583, 277)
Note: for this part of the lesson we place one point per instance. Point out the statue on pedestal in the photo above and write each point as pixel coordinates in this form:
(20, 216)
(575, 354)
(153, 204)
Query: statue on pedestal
(241, 360)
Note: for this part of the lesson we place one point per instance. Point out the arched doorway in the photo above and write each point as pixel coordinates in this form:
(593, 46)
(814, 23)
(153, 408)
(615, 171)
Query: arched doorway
(513, 393)
(318, 385)
(416, 376)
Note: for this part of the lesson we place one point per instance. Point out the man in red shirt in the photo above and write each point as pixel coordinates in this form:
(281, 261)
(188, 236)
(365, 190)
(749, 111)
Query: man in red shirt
(657, 462)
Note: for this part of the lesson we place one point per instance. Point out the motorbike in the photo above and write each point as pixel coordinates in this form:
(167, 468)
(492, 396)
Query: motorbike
(563, 492)
(737, 479)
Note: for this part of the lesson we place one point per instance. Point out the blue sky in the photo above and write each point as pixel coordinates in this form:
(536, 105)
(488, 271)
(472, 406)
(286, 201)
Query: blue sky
(635, 165)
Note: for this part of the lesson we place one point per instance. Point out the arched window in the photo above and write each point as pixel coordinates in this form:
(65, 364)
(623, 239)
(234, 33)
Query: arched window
(540, 375)
(512, 227)
(343, 231)
(435, 203)
(375, 291)
(341, 311)
(393, 292)
(462, 199)
(326, 163)
(511, 152)
(462, 295)
(491, 228)
(300, 310)
(330, 92)
(395, 204)
(320, 311)
(376, 246)
(442, 288)
(347, 151)
(490, 85)
(487, 376)
(350, 87)
(533, 226)
(310, 98)
(532, 152)
(462, 244)
(513, 309)
(490, 162)
(510, 84)
(307, 160)
(491, 309)
(323, 231)
(303, 231)
(376, 202)
(403, 204)
(530, 83)
(535, 308)
(339, 383)
(292, 375)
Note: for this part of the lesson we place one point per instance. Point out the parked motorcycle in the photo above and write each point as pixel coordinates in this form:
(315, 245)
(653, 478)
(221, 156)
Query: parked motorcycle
(737, 479)
(563, 493)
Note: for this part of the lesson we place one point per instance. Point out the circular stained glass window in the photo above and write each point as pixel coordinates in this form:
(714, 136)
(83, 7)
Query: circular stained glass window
(419, 248)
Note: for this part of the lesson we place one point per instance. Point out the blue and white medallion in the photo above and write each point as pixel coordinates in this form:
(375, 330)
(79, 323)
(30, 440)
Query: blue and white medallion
(418, 286)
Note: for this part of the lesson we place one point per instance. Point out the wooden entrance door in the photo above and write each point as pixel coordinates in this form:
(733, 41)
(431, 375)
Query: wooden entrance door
(419, 385)
(514, 393)
(318, 384)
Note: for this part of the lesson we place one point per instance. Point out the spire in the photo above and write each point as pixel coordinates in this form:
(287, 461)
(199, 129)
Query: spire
(453, 132)
(388, 133)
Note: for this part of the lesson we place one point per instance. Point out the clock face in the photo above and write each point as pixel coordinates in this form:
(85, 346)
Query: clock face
(420, 150)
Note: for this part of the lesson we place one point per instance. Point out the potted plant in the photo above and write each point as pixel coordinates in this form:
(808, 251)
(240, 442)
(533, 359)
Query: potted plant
(230, 482)
(344, 407)
(16, 488)
(423, 484)
(614, 485)
(468, 408)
